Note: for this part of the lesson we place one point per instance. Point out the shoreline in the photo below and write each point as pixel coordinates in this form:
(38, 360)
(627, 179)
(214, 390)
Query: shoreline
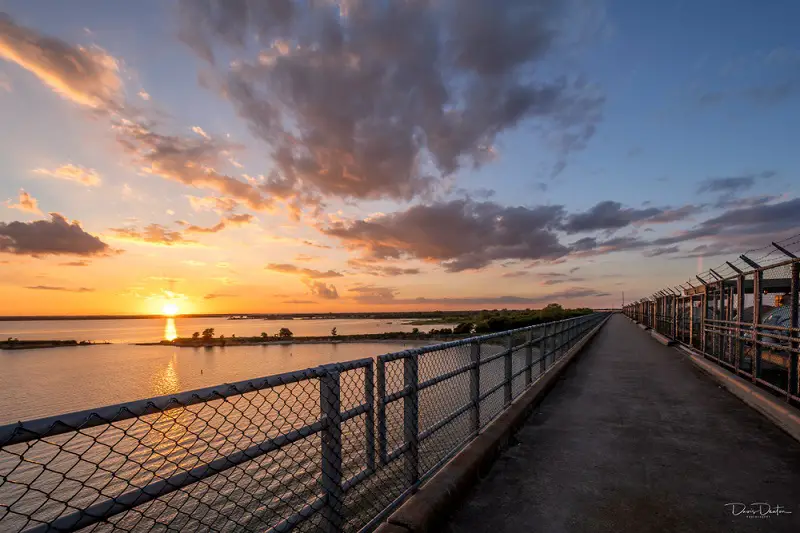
(44, 344)
(228, 342)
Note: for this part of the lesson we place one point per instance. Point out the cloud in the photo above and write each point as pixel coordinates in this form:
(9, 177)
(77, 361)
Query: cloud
(655, 252)
(226, 222)
(86, 76)
(27, 203)
(152, 234)
(371, 293)
(460, 234)
(306, 272)
(563, 295)
(305, 258)
(607, 215)
(381, 100)
(191, 161)
(212, 203)
(381, 270)
(52, 288)
(321, 289)
(144, 95)
(70, 172)
(733, 184)
(213, 296)
(5, 83)
(201, 132)
(56, 236)
(298, 302)
(727, 202)
(75, 263)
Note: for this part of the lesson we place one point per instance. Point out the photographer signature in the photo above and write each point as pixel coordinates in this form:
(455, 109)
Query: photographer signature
(756, 510)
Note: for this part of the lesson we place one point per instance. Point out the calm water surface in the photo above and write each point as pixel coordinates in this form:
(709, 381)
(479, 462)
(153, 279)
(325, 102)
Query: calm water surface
(37, 383)
(154, 329)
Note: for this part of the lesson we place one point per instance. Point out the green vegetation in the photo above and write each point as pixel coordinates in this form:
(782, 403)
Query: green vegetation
(16, 344)
(467, 323)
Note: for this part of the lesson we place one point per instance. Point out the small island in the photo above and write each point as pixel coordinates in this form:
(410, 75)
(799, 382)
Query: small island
(285, 336)
(16, 344)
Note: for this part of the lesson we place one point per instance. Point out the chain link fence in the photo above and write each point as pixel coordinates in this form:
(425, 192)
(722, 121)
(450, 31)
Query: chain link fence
(332, 448)
(742, 315)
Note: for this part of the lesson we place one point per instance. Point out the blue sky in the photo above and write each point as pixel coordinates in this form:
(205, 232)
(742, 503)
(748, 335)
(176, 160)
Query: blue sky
(689, 105)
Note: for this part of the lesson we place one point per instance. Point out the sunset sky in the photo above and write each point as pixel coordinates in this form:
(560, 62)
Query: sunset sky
(324, 155)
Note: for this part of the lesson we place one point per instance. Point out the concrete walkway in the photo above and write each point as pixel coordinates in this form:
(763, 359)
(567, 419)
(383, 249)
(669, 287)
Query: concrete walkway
(635, 439)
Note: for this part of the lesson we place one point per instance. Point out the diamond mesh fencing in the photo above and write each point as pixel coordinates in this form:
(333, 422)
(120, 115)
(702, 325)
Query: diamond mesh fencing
(332, 448)
(742, 314)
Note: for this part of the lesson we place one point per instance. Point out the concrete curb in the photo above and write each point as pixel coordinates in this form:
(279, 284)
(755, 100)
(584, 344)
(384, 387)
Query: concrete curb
(424, 511)
(642, 326)
(781, 415)
(666, 341)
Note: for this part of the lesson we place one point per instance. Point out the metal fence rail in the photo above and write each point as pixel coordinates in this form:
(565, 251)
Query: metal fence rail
(742, 315)
(332, 448)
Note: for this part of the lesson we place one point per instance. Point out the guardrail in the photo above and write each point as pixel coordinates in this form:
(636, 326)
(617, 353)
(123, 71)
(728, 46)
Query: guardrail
(296, 451)
(743, 315)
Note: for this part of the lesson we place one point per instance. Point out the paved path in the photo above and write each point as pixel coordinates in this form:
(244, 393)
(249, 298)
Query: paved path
(635, 439)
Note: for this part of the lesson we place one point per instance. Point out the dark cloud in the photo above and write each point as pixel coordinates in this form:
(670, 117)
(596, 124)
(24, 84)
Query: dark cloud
(56, 236)
(762, 219)
(54, 288)
(608, 215)
(675, 215)
(381, 99)
(460, 234)
(728, 202)
(306, 272)
(321, 289)
(733, 184)
(75, 263)
(655, 252)
(298, 302)
(590, 246)
(152, 234)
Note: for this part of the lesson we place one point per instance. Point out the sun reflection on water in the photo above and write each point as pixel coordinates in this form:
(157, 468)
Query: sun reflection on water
(165, 380)
(170, 331)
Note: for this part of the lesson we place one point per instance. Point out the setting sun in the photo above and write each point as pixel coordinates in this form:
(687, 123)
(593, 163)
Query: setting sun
(170, 309)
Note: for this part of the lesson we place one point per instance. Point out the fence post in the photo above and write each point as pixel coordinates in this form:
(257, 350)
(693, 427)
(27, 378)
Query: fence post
(331, 451)
(411, 418)
(758, 276)
(369, 422)
(543, 349)
(528, 357)
(739, 309)
(507, 392)
(703, 312)
(381, 375)
(475, 387)
(794, 383)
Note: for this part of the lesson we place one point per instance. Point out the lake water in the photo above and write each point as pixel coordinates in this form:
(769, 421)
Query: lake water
(45, 382)
(155, 329)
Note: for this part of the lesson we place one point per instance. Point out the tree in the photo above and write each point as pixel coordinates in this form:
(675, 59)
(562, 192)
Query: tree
(196, 335)
(415, 330)
(464, 327)
(333, 332)
(264, 335)
(208, 334)
(285, 333)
